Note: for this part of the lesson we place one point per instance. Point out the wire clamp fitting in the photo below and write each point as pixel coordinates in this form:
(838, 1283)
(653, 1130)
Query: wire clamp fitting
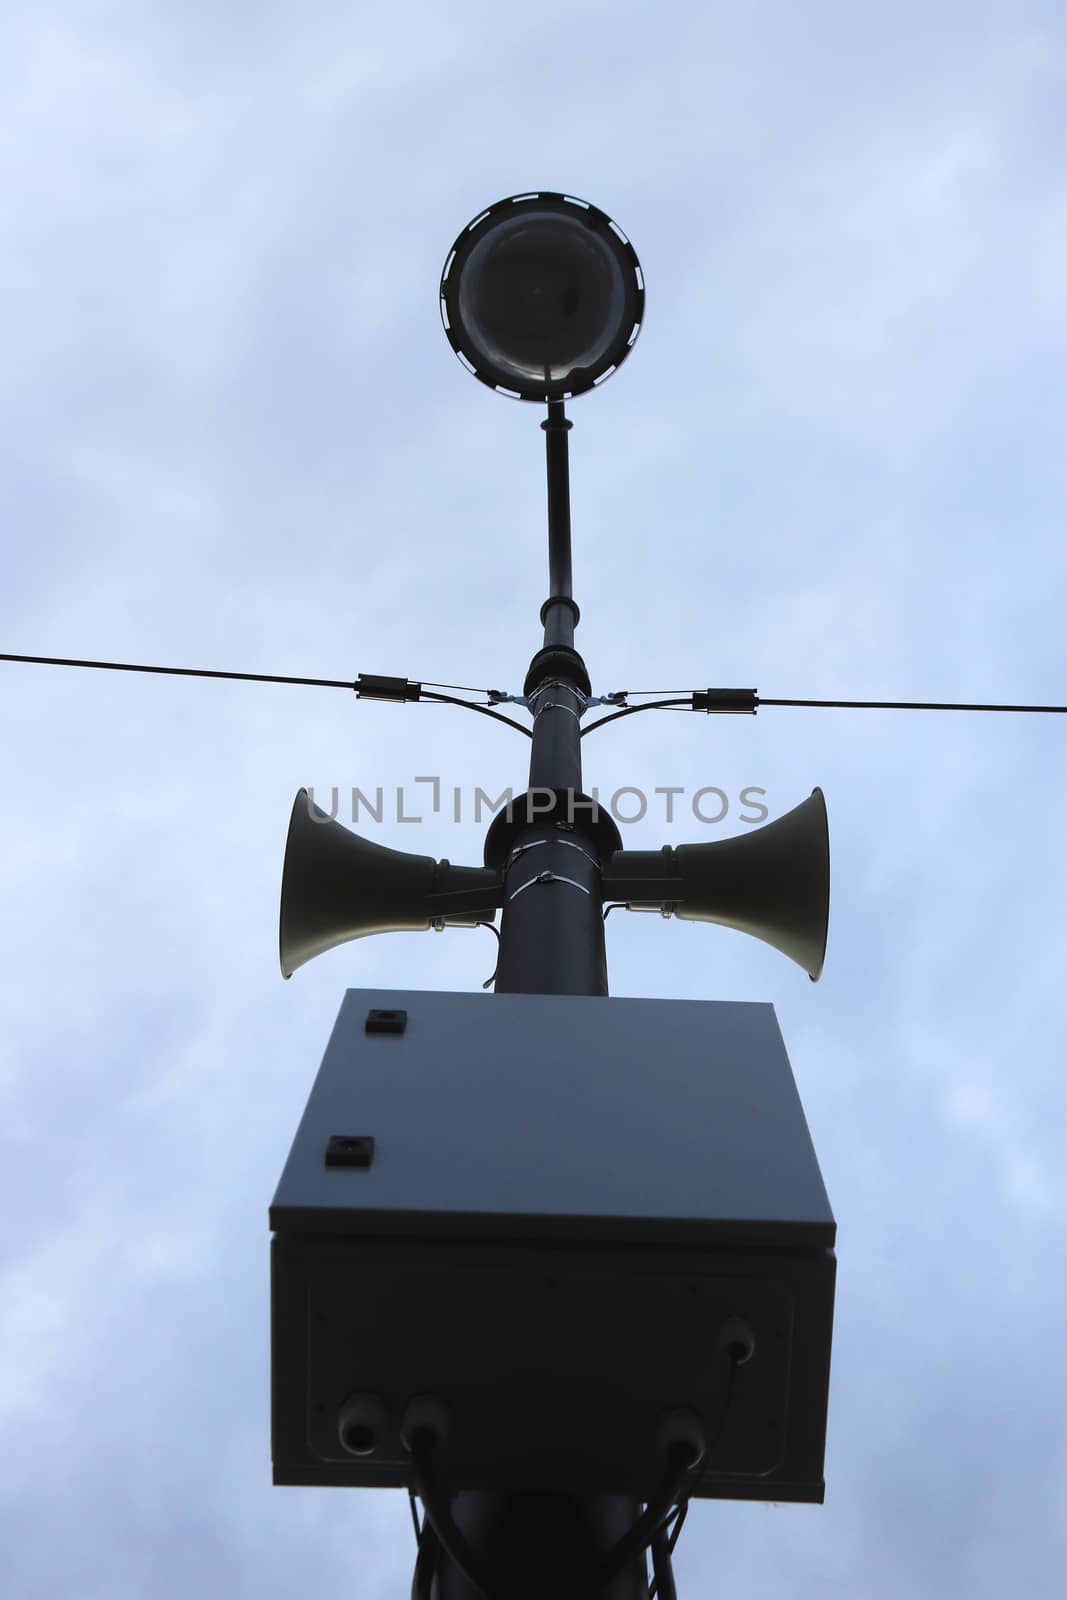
(548, 877)
(557, 705)
(371, 686)
(532, 844)
(743, 701)
(557, 683)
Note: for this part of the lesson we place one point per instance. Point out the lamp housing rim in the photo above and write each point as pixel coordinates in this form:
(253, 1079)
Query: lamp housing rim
(580, 379)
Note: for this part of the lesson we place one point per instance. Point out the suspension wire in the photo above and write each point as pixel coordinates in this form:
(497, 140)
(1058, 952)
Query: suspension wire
(463, 688)
(252, 677)
(181, 672)
(485, 711)
(904, 705)
(858, 705)
(629, 711)
(844, 705)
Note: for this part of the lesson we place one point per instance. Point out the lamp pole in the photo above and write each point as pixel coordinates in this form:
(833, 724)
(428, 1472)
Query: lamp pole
(542, 298)
(552, 926)
(551, 942)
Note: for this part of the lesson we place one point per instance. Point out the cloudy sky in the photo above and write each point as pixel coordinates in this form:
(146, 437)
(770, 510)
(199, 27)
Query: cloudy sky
(234, 436)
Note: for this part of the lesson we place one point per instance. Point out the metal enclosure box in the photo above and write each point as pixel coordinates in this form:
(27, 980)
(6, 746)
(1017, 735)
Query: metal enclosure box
(567, 1198)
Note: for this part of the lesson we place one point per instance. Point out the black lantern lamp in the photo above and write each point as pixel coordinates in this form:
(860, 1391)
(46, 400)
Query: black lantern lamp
(542, 296)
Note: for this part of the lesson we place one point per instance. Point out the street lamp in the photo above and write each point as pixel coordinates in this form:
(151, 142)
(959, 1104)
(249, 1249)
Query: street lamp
(542, 296)
(550, 1257)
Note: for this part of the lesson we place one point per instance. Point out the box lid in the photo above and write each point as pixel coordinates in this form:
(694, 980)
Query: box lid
(539, 1116)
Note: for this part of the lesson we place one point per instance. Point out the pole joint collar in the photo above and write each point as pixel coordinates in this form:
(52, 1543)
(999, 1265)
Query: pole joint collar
(557, 661)
(560, 600)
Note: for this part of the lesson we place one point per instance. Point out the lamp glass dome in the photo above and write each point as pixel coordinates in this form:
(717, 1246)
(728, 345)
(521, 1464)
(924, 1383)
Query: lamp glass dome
(542, 296)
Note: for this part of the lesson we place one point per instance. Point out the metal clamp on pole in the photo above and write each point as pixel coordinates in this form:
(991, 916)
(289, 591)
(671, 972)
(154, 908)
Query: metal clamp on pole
(549, 877)
(532, 844)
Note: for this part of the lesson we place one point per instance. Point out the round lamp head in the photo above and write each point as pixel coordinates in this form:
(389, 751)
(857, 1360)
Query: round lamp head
(542, 296)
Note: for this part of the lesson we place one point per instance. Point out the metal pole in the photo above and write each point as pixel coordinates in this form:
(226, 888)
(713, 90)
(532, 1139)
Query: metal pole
(552, 925)
(551, 942)
(559, 613)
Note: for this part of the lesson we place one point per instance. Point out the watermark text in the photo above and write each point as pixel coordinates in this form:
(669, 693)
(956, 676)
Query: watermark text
(629, 803)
